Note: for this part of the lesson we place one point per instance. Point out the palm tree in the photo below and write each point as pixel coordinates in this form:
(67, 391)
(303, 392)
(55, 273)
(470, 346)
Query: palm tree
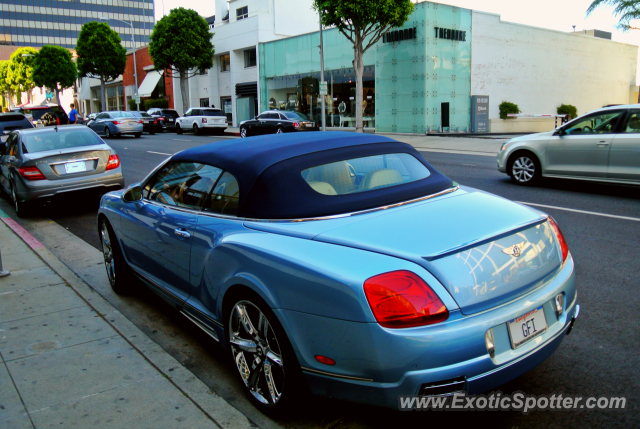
(626, 10)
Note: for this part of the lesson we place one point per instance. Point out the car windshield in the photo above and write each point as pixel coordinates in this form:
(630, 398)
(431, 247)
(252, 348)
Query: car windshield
(55, 140)
(212, 112)
(122, 114)
(295, 115)
(365, 174)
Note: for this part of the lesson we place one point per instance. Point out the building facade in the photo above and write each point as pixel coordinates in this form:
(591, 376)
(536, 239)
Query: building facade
(58, 22)
(152, 85)
(422, 77)
(238, 27)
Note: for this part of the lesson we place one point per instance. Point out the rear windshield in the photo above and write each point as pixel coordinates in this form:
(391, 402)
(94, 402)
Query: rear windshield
(141, 114)
(122, 114)
(295, 115)
(60, 111)
(55, 140)
(365, 174)
(170, 112)
(212, 112)
(37, 114)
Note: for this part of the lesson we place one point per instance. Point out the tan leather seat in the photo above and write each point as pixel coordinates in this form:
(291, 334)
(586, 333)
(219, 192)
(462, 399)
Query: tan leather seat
(381, 178)
(335, 174)
(323, 188)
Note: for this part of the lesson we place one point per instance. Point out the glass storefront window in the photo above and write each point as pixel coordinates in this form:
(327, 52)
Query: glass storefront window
(300, 93)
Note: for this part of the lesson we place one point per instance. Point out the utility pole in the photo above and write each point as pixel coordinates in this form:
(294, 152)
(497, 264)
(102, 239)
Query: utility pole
(322, 105)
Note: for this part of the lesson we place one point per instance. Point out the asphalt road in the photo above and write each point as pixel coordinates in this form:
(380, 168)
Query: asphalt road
(599, 358)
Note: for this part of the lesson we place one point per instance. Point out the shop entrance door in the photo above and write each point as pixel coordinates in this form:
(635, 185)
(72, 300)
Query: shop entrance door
(444, 115)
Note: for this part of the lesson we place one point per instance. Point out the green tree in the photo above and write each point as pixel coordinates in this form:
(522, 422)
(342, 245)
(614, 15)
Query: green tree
(363, 23)
(54, 69)
(625, 10)
(20, 71)
(100, 55)
(180, 44)
(6, 88)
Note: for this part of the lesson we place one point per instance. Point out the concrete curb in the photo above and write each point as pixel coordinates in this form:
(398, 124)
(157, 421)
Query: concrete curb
(214, 407)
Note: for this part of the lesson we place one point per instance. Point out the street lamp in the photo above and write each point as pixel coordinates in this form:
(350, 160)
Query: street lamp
(133, 43)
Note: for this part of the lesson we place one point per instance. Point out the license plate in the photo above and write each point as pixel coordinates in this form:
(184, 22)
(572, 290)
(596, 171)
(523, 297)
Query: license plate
(39, 125)
(527, 327)
(170, 120)
(75, 167)
(310, 125)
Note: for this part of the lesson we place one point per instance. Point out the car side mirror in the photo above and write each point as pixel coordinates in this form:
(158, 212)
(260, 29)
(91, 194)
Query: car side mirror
(255, 117)
(560, 132)
(133, 194)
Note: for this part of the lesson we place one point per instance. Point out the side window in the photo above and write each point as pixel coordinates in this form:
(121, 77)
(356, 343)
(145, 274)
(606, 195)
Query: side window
(182, 184)
(225, 196)
(196, 112)
(188, 112)
(633, 124)
(600, 123)
(272, 116)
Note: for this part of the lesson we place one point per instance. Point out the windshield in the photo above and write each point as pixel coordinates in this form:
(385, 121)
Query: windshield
(212, 112)
(295, 115)
(55, 140)
(364, 174)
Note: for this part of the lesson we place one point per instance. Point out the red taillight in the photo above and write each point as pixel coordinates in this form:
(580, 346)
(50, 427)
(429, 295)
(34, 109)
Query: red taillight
(161, 118)
(325, 360)
(401, 299)
(204, 120)
(296, 125)
(155, 121)
(560, 237)
(58, 120)
(114, 162)
(31, 173)
(141, 121)
(117, 122)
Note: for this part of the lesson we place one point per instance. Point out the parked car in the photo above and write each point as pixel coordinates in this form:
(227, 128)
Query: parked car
(344, 262)
(603, 146)
(12, 121)
(166, 117)
(116, 124)
(45, 116)
(150, 124)
(277, 122)
(199, 119)
(38, 164)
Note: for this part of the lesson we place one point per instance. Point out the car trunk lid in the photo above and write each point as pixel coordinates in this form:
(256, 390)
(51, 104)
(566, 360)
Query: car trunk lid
(69, 163)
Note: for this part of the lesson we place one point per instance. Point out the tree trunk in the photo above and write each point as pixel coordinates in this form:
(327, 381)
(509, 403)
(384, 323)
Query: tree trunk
(183, 92)
(103, 94)
(18, 97)
(358, 67)
(58, 96)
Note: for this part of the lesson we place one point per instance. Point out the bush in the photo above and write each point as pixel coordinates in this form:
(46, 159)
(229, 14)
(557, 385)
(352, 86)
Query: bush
(160, 103)
(506, 108)
(132, 105)
(568, 109)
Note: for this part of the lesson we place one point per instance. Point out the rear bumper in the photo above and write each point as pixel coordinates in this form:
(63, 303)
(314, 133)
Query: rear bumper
(121, 130)
(47, 189)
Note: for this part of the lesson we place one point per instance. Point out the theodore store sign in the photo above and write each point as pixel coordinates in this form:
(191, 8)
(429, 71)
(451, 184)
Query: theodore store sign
(449, 34)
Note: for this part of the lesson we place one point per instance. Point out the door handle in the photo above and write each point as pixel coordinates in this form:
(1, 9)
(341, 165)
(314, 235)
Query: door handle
(181, 232)
(603, 143)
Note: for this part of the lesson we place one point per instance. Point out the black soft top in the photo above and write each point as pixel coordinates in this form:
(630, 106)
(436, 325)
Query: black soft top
(269, 172)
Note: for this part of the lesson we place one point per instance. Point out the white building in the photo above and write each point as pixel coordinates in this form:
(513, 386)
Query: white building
(240, 25)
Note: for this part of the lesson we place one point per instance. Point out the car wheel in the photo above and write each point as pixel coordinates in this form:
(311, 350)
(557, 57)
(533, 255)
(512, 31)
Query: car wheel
(107, 133)
(262, 354)
(524, 168)
(243, 132)
(21, 208)
(178, 129)
(280, 130)
(118, 271)
(138, 135)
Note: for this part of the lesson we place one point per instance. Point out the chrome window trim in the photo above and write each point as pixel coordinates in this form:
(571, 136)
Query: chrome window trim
(454, 188)
(74, 160)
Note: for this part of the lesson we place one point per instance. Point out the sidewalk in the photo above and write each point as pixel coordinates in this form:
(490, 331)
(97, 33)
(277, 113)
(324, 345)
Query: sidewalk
(69, 359)
(460, 145)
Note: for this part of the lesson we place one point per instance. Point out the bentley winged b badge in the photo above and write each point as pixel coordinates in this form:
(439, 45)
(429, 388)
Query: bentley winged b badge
(515, 250)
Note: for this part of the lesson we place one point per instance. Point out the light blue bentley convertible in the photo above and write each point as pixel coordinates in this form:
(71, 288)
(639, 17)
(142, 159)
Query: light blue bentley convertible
(344, 263)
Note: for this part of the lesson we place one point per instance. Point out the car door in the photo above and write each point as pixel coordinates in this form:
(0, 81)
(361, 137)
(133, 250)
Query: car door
(186, 122)
(157, 231)
(8, 161)
(581, 148)
(271, 123)
(208, 260)
(624, 155)
(98, 124)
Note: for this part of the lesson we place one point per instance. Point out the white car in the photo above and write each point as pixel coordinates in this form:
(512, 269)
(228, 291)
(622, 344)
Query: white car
(198, 119)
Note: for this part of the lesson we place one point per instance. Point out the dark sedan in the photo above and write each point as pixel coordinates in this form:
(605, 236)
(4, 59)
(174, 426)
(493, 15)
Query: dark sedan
(277, 122)
(150, 124)
(166, 117)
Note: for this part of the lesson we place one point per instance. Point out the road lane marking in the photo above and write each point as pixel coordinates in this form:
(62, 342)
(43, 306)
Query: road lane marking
(635, 219)
(181, 140)
(160, 153)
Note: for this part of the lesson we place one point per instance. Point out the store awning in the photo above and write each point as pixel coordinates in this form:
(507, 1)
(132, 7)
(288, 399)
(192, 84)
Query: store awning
(149, 83)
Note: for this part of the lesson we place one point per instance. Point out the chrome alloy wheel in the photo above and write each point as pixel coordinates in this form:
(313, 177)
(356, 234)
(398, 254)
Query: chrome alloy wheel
(243, 132)
(279, 131)
(523, 169)
(107, 251)
(256, 352)
(14, 197)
